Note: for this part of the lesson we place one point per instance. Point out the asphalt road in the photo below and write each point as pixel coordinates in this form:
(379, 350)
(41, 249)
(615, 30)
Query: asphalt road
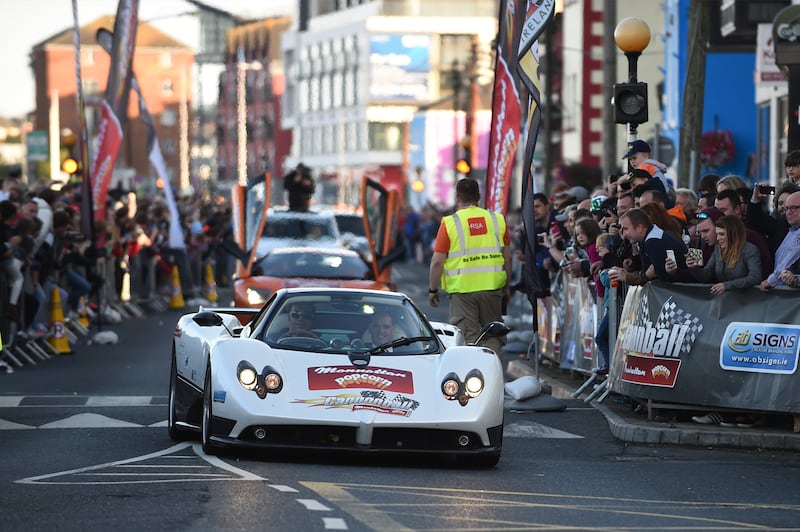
(85, 447)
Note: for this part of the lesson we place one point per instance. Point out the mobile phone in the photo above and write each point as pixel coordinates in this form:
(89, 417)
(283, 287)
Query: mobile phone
(766, 190)
(671, 255)
(555, 228)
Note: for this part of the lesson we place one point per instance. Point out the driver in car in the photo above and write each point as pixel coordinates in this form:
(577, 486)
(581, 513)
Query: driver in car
(300, 317)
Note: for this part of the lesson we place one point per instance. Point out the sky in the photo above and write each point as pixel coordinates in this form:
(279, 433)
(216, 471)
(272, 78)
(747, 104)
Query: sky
(29, 22)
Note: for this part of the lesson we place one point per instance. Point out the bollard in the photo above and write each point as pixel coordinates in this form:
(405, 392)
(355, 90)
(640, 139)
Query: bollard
(211, 285)
(58, 330)
(83, 314)
(176, 294)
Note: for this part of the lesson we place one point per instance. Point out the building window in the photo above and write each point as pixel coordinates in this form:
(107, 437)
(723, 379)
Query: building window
(385, 136)
(165, 60)
(88, 57)
(168, 118)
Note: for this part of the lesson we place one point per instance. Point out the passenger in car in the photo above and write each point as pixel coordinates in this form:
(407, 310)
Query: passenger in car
(382, 329)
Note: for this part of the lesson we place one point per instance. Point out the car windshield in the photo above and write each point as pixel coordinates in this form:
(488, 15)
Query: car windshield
(350, 223)
(314, 264)
(298, 228)
(349, 323)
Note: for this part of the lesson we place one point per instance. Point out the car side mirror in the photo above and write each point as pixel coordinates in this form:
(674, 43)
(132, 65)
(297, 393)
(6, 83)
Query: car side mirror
(207, 318)
(493, 330)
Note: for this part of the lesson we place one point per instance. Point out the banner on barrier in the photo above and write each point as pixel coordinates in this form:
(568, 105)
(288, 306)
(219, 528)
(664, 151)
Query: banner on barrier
(736, 350)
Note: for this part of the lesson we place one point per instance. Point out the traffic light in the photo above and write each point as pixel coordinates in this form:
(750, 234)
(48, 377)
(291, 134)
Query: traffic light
(464, 167)
(630, 103)
(70, 165)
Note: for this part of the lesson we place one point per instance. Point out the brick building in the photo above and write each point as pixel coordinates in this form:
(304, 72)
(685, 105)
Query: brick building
(163, 68)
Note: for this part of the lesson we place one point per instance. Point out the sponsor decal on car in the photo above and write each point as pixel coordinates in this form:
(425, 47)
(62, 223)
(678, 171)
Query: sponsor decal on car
(375, 400)
(349, 377)
(220, 396)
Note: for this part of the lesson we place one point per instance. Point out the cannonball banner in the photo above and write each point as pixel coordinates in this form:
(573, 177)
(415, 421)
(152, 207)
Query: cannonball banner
(735, 350)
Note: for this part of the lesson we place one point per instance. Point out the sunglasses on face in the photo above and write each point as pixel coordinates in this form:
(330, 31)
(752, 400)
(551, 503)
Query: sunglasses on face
(300, 315)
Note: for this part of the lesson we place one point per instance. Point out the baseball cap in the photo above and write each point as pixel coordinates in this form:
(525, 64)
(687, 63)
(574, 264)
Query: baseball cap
(579, 193)
(637, 146)
(565, 213)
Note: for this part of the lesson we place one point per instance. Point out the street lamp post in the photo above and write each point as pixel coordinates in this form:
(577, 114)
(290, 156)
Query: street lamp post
(632, 36)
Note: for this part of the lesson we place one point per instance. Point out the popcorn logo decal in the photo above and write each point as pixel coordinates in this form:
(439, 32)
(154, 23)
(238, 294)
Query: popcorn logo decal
(349, 377)
(661, 371)
(652, 348)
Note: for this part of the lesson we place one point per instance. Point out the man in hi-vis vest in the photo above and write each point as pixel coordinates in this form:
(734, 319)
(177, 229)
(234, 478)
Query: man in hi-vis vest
(472, 258)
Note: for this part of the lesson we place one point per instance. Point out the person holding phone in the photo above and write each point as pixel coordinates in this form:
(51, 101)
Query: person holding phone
(653, 244)
(735, 262)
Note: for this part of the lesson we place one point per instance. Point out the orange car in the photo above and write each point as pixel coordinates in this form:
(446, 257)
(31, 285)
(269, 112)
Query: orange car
(307, 264)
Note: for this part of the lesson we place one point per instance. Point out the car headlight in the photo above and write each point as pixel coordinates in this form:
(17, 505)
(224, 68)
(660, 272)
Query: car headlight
(254, 297)
(474, 383)
(451, 386)
(272, 380)
(247, 375)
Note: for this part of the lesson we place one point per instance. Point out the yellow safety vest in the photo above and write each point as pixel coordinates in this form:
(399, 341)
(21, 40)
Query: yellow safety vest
(475, 259)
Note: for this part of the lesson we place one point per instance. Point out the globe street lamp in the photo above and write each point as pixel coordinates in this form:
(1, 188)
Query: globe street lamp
(632, 36)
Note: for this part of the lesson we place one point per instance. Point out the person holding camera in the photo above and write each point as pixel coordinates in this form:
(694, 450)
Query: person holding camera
(300, 186)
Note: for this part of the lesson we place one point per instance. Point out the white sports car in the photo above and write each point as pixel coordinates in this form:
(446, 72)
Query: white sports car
(335, 369)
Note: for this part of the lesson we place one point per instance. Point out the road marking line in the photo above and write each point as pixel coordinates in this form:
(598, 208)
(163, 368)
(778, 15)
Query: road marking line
(10, 401)
(88, 421)
(334, 523)
(281, 487)
(314, 505)
(368, 514)
(164, 453)
(213, 460)
(10, 425)
(119, 400)
(535, 430)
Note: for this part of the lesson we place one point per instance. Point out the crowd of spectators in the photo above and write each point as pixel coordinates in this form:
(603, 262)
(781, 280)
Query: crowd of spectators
(44, 249)
(637, 227)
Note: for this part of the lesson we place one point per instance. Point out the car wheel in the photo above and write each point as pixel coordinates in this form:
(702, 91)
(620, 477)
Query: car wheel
(176, 432)
(209, 447)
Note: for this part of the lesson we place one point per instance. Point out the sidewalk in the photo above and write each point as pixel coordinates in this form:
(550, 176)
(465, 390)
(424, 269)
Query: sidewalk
(628, 426)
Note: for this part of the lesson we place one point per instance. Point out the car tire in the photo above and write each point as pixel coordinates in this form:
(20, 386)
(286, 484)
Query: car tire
(176, 432)
(209, 447)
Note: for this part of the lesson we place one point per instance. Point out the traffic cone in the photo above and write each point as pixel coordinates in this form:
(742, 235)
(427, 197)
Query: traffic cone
(211, 286)
(58, 330)
(176, 294)
(83, 314)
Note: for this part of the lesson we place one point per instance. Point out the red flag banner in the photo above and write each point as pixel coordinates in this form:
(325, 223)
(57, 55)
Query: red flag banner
(506, 115)
(115, 104)
(106, 41)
